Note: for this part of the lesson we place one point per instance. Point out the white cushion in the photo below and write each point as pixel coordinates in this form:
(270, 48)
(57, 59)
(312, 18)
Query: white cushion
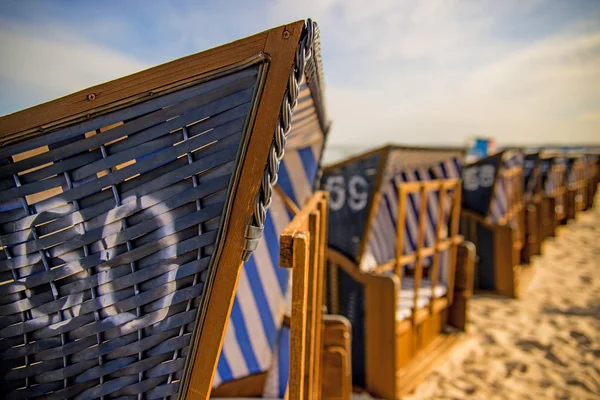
(425, 288)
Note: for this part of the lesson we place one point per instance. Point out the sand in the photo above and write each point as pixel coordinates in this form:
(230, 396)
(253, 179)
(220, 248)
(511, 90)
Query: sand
(543, 346)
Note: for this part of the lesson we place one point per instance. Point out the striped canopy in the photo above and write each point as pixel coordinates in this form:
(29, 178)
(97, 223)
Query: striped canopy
(255, 340)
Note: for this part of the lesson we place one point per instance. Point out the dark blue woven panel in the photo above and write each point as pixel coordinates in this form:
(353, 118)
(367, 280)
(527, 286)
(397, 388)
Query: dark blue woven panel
(107, 229)
(352, 306)
(351, 187)
(478, 184)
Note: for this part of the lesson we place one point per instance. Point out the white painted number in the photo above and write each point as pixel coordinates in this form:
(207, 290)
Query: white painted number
(470, 178)
(486, 175)
(476, 177)
(358, 195)
(357, 186)
(335, 186)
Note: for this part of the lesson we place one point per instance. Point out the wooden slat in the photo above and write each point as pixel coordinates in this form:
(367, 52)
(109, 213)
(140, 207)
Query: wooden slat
(300, 263)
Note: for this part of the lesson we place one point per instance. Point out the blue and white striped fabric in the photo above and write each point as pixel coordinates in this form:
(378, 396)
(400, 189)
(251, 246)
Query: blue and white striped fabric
(278, 376)
(382, 236)
(259, 304)
(255, 341)
(298, 171)
(503, 189)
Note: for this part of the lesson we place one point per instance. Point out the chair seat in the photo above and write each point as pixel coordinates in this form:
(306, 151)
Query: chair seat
(405, 304)
(425, 288)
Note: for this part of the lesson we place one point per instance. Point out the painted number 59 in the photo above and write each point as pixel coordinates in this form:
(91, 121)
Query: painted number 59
(356, 192)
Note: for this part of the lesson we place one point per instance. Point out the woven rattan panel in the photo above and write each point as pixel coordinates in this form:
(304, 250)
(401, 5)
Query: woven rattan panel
(107, 232)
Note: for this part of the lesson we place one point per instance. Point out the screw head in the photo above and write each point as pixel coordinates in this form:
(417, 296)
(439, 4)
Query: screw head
(91, 96)
(286, 34)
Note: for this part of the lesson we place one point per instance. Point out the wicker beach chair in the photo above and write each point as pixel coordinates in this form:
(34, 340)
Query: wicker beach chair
(392, 261)
(532, 205)
(127, 211)
(592, 175)
(493, 218)
(576, 183)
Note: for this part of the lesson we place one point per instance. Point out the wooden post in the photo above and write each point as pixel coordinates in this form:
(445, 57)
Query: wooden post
(441, 219)
(300, 263)
(402, 199)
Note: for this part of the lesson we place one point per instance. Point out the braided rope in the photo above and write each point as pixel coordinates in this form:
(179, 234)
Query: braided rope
(304, 53)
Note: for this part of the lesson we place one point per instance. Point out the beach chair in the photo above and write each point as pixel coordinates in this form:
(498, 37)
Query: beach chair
(592, 174)
(493, 219)
(256, 356)
(392, 262)
(532, 201)
(553, 191)
(576, 185)
(127, 210)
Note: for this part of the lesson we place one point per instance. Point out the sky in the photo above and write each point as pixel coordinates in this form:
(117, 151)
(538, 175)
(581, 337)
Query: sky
(432, 72)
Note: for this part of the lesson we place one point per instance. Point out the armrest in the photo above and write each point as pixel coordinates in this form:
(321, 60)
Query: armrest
(337, 359)
(463, 288)
(465, 269)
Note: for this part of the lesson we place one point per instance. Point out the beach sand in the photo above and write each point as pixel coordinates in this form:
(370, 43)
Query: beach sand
(543, 346)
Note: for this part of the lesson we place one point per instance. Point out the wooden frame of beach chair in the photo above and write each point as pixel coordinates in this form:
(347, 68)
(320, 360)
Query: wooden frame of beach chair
(593, 177)
(493, 218)
(547, 216)
(554, 189)
(532, 199)
(391, 355)
(319, 344)
(576, 186)
(591, 160)
(102, 147)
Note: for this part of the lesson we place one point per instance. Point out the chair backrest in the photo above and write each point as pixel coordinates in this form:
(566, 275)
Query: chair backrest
(135, 207)
(382, 236)
(435, 240)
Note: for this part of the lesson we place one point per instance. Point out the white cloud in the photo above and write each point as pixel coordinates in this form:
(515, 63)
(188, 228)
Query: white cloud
(422, 72)
(40, 66)
(533, 95)
(437, 72)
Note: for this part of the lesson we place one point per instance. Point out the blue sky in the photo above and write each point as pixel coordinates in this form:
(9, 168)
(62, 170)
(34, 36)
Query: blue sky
(414, 72)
